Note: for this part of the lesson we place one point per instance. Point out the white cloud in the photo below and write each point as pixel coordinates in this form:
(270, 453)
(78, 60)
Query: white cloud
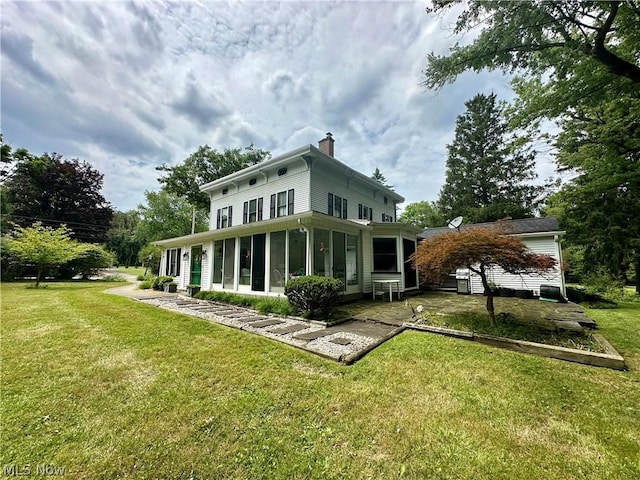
(129, 86)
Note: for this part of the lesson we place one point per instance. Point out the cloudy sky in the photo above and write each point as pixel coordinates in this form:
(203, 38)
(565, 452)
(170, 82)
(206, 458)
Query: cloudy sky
(130, 86)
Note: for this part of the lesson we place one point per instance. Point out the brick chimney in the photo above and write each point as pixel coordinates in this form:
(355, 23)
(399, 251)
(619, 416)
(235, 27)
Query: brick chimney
(326, 144)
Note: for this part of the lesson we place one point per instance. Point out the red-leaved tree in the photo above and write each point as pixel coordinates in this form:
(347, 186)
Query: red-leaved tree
(478, 249)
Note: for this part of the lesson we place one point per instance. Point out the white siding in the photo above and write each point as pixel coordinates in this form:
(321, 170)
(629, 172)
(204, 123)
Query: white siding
(207, 261)
(185, 267)
(542, 245)
(296, 178)
(356, 192)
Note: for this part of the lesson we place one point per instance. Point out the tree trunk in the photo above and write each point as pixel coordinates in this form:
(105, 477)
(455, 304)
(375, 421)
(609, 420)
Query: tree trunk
(39, 276)
(487, 291)
(490, 309)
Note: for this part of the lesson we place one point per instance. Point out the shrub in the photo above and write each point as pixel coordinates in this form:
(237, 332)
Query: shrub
(593, 300)
(89, 262)
(227, 297)
(114, 278)
(312, 295)
(146, 284)
(602, 283)
(279, 306)
(149, 256)
(158, 282)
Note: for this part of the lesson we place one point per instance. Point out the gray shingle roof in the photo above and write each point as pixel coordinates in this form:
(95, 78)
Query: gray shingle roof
(520, 226)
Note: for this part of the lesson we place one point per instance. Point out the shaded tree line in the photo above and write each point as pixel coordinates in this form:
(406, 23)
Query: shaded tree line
(575, 64)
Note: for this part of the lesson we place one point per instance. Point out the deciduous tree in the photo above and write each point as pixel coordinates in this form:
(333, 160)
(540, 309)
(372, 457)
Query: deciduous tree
(541, 38)
(123, 238)
(55, 191)
(149, 257)
(479, 249)
(577, 63)
(422, 214)
(44, 247)
(601, 204)
(203, 166)
(167, 215)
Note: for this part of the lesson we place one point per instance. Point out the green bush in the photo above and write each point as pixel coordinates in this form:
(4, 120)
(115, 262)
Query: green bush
(114, 278)
(602, 283)
(146, 285)
(593, 300)
(279, 306)
(226, 297)
(149, 256)
(312, 295)
(159, 282)
(87, 263)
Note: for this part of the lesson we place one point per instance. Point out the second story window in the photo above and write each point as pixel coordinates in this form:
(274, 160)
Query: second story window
(387, 218)
(223, 217)
(252, 211)
(364, 212)
(281, 204)
(337, 206)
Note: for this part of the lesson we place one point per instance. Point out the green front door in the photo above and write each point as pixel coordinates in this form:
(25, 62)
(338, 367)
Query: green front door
(196, 265)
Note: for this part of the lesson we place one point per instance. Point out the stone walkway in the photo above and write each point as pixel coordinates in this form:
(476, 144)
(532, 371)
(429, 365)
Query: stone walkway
(345, 342)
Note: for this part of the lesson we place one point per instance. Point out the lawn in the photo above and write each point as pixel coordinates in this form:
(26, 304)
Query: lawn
(105, 387)
(132, 270)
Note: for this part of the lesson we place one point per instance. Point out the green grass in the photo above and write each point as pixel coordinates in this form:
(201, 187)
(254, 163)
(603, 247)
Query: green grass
(131, 270)
(508, 326)
(106, 387)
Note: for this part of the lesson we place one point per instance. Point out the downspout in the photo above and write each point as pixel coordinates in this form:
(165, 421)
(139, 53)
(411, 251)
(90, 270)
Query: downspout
(556, 239)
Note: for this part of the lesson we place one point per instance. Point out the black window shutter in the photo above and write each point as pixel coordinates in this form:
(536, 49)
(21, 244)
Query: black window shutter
(344, 208)
(245, 212)
(272, 207)
(260, 209)
(359, 210)
(290, 202)
(168, 261)
(218, 220)
(330, 209)
(230, 215)
(178, 261)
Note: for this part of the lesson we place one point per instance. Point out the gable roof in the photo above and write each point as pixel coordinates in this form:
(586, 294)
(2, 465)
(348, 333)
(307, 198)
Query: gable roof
(520, 226)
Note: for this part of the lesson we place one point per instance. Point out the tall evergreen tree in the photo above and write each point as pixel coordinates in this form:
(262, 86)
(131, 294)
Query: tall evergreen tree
(487, 167)
(379, 177)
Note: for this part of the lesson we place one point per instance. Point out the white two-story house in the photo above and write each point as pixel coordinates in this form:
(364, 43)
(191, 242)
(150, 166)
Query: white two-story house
(301, 213)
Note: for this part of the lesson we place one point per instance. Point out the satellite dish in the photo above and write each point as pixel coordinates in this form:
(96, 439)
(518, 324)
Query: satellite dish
(455, 223)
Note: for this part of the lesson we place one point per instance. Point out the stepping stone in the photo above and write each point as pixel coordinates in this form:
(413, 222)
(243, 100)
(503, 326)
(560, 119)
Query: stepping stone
(289, 329)
(206, 310)
(185, 302)
(239, 315)
(266, 323)
(313, 335)
(341, 341)
(223, 311)
(253, 319)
